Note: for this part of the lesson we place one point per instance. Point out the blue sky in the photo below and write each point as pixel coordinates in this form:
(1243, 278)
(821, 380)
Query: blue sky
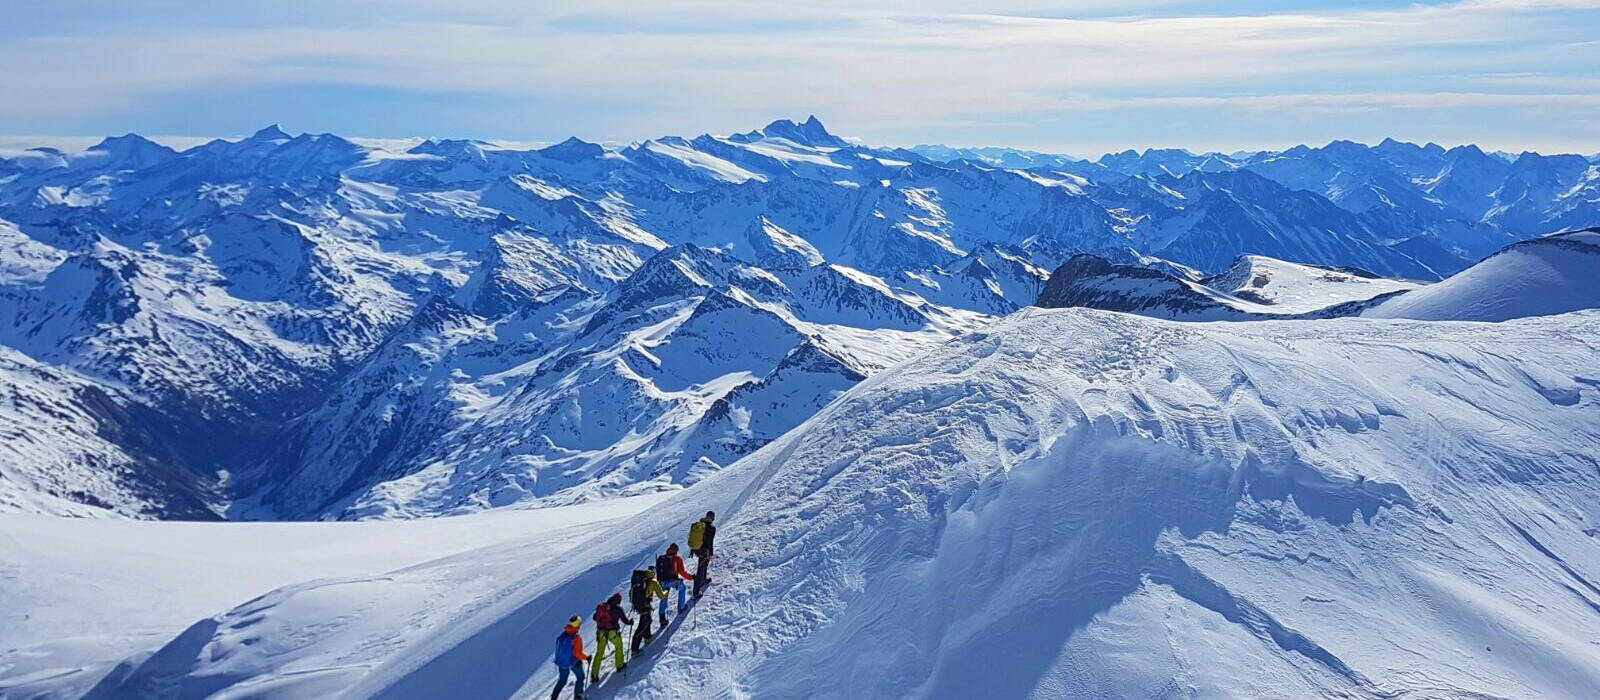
(1079, 77)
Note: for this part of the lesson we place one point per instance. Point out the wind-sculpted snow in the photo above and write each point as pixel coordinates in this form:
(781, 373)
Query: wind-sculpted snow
(1081, 503)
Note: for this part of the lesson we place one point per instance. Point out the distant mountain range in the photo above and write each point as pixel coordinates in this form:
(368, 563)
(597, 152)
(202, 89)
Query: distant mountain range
(303, 326)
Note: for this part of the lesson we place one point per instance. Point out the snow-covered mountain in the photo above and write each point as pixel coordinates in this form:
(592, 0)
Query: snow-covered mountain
(1367, 483)
(1100, 504)
(302, 326)
(994, 156)
(691, 362)
(1548, 275)
(1297, 288)
(1254, 287)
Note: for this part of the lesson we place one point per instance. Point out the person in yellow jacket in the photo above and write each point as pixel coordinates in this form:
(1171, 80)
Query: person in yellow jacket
(642, 591)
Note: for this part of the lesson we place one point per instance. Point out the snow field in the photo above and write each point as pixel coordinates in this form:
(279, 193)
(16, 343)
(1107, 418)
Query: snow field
(82, 594)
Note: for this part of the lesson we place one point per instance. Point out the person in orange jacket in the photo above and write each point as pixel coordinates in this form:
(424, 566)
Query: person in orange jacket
(670, 571)
(570, 658)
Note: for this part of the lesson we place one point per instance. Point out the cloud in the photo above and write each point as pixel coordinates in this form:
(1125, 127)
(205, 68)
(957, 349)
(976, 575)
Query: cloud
(720, 63)
(1342, 102)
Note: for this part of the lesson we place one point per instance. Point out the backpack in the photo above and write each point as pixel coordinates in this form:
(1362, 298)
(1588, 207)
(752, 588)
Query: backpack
(602, 617)
(664, 569)
(564, 655)
(697, 535)
(638, 590)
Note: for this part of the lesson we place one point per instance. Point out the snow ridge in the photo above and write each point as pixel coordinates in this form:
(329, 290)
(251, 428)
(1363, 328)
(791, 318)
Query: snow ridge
(1108, 504)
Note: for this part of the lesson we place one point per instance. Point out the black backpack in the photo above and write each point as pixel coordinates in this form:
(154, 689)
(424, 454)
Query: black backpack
(638, 592)
(664, 569)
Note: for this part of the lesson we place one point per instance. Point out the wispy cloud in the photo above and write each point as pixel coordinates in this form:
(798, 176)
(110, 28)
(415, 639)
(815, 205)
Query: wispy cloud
(884, 69)
(1343, 102)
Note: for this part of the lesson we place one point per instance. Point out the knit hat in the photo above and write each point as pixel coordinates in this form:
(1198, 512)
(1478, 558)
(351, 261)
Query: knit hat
(574, 623)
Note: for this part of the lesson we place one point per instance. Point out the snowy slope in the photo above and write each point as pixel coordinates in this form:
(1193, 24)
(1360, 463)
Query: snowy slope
(1254, 287)
(81, 594)
(1549, 275)
(69, 448)
(1292, 288)
(1085, 503)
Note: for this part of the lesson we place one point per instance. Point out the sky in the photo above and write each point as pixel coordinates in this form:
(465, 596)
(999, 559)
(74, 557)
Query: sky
(1072, 77)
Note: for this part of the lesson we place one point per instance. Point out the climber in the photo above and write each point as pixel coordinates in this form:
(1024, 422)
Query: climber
(608, 619)
(570, 658)
(702, 536)
(641, 589)
(669, 568)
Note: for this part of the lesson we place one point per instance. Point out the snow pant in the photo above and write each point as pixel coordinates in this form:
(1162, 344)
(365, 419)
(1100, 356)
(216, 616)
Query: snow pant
(614, 638)
(702, 560)
(641, 634)
(575, 669)
(669, 585)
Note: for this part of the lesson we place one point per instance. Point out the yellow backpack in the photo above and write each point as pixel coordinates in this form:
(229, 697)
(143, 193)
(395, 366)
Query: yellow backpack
(697, 534)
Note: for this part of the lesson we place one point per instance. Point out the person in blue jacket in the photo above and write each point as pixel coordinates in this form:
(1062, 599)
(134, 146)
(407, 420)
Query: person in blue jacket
(570, 658)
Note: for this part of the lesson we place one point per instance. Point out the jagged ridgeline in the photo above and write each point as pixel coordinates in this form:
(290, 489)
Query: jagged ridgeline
(310, 326)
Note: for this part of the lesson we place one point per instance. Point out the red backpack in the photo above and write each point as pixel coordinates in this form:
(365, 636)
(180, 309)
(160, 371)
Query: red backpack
(602, 616)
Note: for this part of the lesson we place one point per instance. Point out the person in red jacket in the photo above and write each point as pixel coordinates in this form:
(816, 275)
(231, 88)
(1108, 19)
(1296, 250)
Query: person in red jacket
(570, 658)
(672, 574)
